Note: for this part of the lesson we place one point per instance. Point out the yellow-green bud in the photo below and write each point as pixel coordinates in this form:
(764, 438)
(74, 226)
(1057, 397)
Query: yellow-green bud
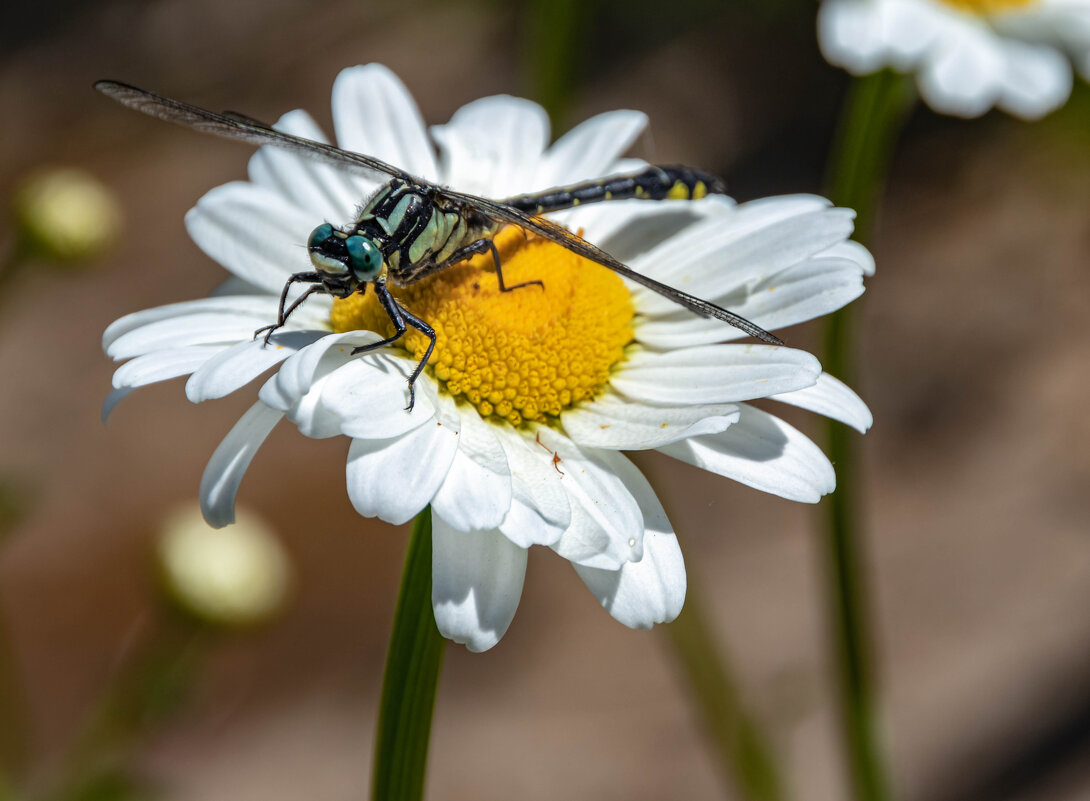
(66, 214)
(234, 576)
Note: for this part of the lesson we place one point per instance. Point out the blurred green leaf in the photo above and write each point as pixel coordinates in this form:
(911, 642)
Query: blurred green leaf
(16, 498)
(112, 784)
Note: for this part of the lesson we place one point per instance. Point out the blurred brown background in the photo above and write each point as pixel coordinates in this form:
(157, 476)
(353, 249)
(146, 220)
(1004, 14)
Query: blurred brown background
(975, 348)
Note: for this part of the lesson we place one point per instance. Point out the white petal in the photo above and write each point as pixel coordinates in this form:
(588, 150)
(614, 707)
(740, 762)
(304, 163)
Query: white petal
(1036, 79)
(162, 365)
(305, 367)
(590, 149)
(394, 479)
(725, 223)
(627, 228)
(617, 424)
(651, 590)
(257, 308)
(853, 252)
(910, 29)
(235, 367)
(253, 232)
(809, 290)
(476, 584)
(308, 388)
(114, 398)
(373, 113)
(963, 72)
(368, 396)
(540, 511)
(176, 332)
(476, 494)
(492, 146)
(763, 452)
(714, 374)
(766, 211)
(850, 34)
(228, 464)
(232, 285)
(328, 193)
(834, 399)
(712, 260)
(307, 413)
(606, 527)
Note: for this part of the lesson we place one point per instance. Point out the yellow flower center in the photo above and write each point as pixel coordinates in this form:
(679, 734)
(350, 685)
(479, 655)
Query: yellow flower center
(988, 6)
(525, 354)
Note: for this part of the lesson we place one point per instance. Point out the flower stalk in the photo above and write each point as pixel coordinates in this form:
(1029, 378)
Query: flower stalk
(148, 691)
(743, 750)
(409, 683)
(872, 117)
(11, 264)
(552, 50)
(13, 713)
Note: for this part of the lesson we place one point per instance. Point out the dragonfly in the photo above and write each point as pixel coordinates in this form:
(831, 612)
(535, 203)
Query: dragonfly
(411, 228)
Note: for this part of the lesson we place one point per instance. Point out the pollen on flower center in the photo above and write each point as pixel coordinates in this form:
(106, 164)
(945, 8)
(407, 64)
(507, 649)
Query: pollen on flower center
(525, 354)
(988, 6)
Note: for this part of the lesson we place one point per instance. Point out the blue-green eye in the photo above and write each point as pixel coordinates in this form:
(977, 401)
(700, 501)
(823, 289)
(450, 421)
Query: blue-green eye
(320, 235)
(364, 259)
(323, 247)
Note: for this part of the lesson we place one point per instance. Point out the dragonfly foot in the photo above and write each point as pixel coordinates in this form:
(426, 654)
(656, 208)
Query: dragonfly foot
(268, 330)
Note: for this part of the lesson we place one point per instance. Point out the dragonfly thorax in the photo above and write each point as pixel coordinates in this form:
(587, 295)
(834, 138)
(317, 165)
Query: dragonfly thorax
(417, 232)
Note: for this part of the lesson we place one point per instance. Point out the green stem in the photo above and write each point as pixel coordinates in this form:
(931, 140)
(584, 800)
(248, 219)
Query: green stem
(742, 748)
(12, 264)
(13, 713)
(412, 673)
(150, 689)
(872, 118)
(873, 113)
(552, 50)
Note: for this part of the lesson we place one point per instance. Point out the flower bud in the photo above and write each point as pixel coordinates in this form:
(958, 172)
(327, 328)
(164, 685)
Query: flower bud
(235, 576)
(66, 214)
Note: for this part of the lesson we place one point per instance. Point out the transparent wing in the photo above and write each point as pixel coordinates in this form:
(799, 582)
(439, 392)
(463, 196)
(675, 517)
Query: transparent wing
(576, 244)
(232, 125)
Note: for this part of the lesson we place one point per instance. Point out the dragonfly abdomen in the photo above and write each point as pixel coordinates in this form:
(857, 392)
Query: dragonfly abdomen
(653, 183)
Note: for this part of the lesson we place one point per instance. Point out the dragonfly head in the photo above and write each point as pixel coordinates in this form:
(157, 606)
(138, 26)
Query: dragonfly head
(335, 253)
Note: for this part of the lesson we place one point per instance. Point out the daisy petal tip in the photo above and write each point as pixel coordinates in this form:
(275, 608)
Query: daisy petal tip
(458, 623)
(647, 592)
(477, 580)
(217, 517)
(114, 398)
(194, 391)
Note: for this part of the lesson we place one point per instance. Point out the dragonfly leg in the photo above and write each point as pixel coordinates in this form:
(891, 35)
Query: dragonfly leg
(484, 246)
(282, 314)
(399, 316)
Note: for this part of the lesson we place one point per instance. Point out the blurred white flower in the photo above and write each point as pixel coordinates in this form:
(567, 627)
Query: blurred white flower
(66, 214)
(236, 576)
(519, 423)
(967, 55)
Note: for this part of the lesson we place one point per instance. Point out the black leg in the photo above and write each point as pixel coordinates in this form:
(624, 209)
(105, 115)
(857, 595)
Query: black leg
(394, 312)
(398, 316)
(282, 315)
(483, 246)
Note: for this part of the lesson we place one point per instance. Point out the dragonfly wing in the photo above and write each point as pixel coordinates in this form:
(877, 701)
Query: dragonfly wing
(576, 244)
(232, 125)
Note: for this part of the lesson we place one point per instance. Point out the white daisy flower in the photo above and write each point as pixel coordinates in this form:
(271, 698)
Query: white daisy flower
(530, 397)
(968, 55)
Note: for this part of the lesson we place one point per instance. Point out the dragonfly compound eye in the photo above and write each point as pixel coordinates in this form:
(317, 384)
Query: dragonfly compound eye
(364, 258)
(327, 252)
